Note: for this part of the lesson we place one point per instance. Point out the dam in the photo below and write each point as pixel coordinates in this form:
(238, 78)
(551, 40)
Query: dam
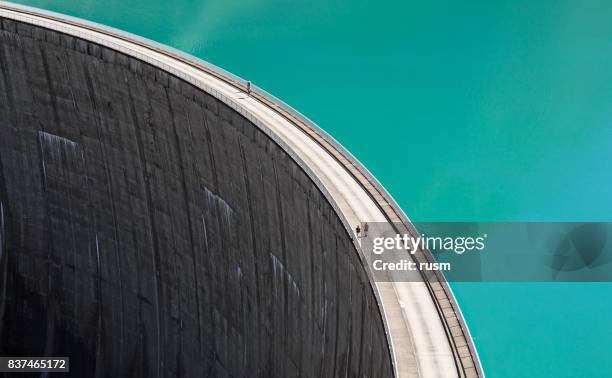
(159, 219)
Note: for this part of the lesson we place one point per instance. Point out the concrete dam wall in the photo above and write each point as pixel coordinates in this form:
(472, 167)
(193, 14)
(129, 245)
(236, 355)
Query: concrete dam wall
(148, 229)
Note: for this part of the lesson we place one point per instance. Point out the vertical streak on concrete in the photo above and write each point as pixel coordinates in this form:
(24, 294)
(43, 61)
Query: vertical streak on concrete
(49, 340)
(93, 236)
(261, 280)
(208, 263)
(3, 194)
(52, 95)
(347, 360)
(66, 153)
(183, 179)
(158, 135)
(67, 78)
(76, 160)
(311, 250)
(253, 232)
(3, 249)
(194, 254)
(98, 119)
(324, 303)
(133, 368)
(150, 227)
(337, 299)
(10, 102)
(364, 307)
(211, 155)
(99, 370)
(281, 228)
(209, 145)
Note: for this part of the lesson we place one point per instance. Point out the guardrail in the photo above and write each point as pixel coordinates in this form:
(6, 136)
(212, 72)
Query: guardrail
(456, 330)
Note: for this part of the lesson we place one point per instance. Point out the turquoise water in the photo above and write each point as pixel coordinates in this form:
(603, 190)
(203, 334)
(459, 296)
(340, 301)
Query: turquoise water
(465, 111)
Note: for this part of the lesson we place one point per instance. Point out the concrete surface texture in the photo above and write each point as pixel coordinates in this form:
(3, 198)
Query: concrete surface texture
(150, 230)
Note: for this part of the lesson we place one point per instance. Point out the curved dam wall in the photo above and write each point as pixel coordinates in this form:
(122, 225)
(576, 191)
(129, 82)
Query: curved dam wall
(147, 229)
